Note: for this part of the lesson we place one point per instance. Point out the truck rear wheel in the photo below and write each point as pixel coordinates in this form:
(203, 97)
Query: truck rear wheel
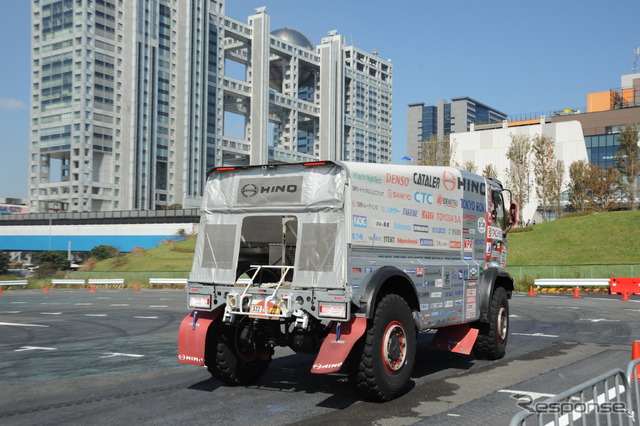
(383, 360)
(492, 337)
(234, 359)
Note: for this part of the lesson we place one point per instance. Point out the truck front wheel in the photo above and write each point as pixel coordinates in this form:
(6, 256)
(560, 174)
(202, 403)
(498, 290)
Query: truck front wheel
(232, 358)
(382, 362)
(492, 337)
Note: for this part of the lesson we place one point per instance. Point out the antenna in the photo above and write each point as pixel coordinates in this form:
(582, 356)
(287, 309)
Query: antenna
(636, 54)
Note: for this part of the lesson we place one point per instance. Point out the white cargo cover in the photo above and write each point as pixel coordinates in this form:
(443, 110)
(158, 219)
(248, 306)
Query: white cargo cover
(313, 194)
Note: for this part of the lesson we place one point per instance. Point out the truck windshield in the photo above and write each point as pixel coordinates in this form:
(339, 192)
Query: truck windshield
(497, 212)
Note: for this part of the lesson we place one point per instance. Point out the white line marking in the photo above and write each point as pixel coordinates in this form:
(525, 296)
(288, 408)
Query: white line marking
(112, 354)
(95, 315)
(146, 317)
(83, 304)
(22, 325)
(34, 348)
(17, 303)
(599, 320)
(533, 395)
(10, 312)
(50, 313)
(158, 306)
(534, 335)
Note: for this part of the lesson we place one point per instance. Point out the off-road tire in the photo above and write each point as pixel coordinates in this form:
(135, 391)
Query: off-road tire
(382, 361)
(224, 361)
(492, 337)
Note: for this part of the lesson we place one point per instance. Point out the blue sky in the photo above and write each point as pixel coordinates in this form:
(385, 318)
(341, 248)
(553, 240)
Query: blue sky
(515, 56)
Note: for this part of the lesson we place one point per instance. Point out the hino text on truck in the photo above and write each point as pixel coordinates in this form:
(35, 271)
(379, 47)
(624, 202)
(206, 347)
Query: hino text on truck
(349, 261)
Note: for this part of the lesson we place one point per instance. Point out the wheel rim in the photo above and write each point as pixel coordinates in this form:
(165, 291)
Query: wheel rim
(503, 323)
(394, 347)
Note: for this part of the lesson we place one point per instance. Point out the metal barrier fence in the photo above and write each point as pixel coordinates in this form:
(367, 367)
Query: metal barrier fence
(611, 399)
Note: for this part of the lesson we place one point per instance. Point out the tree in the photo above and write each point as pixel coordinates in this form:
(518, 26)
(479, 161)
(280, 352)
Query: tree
(103, 252)
(470, 166)
(603, 190)
(579, 182)
(56, 259)
(4, 262)
(176, 206)
(543, 162)
(489, 171)
(557, 183)
(434, 152)
(518, 172)
(628, 162)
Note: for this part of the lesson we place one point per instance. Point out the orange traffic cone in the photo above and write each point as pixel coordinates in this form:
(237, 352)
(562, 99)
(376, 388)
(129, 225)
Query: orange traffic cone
(531, 293)
(576, 295)
(0, 289)
(137, 287)
(92, 289)
(625, 296)
(46, 289)
(635, 354)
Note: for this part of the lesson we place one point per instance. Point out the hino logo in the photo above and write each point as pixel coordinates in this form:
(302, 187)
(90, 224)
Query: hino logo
(183, 357)
(250, 190)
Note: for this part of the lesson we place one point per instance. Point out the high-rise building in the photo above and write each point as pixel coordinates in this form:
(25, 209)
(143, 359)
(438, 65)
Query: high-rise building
(132, 101)
(425, 121)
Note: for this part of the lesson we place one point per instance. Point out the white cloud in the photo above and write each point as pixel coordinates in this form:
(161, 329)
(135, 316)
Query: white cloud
(12, 104)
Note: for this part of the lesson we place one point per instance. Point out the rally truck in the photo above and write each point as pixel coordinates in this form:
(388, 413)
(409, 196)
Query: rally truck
(348, 261)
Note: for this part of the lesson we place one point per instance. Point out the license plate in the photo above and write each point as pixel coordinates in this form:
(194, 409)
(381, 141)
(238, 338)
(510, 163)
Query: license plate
(199, 301)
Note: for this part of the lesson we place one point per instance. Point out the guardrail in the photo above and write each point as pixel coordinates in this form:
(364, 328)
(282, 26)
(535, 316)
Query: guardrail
(14, 282)
(165, 281)
(611, 398)
(571, 282)
(103, 281)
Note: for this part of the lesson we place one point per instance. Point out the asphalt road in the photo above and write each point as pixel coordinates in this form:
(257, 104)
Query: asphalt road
(75, 357)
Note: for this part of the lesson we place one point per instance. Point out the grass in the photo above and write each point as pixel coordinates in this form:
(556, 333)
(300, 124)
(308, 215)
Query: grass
(176, 256)
(597, 238)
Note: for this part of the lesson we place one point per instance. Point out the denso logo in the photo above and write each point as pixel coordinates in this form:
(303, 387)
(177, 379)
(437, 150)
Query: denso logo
(398, 180)
(357, 236)
(423, 197)
(359, 221)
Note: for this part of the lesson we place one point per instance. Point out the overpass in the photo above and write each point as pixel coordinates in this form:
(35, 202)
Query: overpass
(82, 231)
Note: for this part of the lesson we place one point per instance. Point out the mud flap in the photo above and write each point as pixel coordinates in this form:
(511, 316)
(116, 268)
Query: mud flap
(338, 344)
(192, 337)
(456, 338)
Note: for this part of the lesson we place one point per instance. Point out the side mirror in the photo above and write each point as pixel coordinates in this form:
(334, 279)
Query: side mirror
(513, 214)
